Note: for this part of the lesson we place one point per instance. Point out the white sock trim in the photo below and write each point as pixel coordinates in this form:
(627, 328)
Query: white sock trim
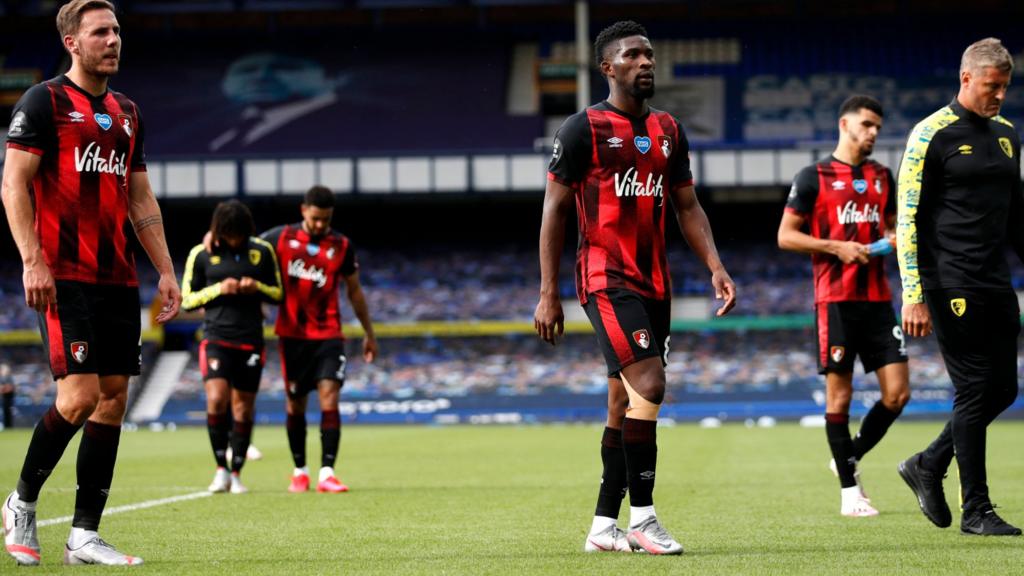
(79, 536)
(304, 471)
(601, 523)
(637, 514)
(325, 473)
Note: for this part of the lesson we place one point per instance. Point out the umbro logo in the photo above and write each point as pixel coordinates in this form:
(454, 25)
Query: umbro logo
(839, 185)
(647, 474)
(76, 116)
(615, 142)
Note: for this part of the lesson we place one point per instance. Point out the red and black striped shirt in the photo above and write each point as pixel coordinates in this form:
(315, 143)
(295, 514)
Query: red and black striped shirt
(848, 203)
(88, 145)
(621, 168)
(311, 268)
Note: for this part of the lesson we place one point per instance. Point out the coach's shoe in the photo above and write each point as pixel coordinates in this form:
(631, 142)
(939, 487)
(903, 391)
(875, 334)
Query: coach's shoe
(96, 551)
(856, 477)
(20, 530)
(236, 484)
(221, 481)
(331, 484)
(611, 539)
(985, 522)
(300, 483)
(927, 486)
(651, 537)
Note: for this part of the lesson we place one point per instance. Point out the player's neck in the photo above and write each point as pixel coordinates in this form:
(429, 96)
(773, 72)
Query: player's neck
(95, 85)
(849, 155)
(628, 104)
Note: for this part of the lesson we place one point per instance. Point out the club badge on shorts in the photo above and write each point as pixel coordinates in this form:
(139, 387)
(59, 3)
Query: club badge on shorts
(80, 351)
(959, 306)
(642, 339)
(837, 353)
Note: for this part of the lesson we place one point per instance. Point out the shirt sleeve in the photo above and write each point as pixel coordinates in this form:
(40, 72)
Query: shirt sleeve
(32, 128)
(803, 195)
(910, 187)
(139, 152)
(269, 281)
(890, 202)
(349, 265)
(272, 236)
(681, 175)
(570, 155)
(194, 291)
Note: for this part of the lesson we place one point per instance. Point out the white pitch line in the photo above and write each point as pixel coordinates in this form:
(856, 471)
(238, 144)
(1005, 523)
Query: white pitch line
(132, 507)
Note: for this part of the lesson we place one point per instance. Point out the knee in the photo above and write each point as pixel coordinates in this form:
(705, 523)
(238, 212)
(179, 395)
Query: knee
(111, 407)
(617, 411)
(78, 406)
(895, 401)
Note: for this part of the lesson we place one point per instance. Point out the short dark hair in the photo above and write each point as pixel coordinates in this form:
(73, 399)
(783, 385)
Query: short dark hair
(319, 196)
(231, 219)
(617, 31)
(857, 102)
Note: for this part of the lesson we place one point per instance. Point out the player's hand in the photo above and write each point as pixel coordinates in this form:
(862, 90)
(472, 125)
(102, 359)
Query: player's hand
(229, 286)
(548, 319)
(208, 241)
(247, 285)
(725, 289)
(917, 320)
(369, 349)
(850, 252)
(170, 295)
(40, 289)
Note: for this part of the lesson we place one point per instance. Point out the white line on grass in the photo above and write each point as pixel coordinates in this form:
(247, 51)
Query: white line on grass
(132, 507)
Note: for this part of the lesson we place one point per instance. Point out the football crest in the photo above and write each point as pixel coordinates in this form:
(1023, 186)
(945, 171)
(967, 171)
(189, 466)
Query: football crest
(1004, 143)
(666, 145)
(254, 256)
(642, 339)
(959, 306)
(80, 351)
(837, 353)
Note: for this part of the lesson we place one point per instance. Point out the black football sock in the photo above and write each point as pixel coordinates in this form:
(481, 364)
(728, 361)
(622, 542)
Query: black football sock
(295, 424)
(241, 435)
(639, 443)
(330, 436)
(613, 479)
(837, 428)
(50, 438)
(219, 426)
(97, 455)
(876, 423)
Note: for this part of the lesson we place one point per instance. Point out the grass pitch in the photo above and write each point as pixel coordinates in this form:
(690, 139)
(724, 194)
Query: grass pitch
(518, 500)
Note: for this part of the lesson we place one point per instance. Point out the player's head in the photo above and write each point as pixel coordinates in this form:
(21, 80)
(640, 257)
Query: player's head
(860, 119)
(985, 71)
(231, 224)
(91, 35)
(625, 57)
(317, 209)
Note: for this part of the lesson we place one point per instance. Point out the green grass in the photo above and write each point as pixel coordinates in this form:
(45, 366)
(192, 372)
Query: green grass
(518, 500)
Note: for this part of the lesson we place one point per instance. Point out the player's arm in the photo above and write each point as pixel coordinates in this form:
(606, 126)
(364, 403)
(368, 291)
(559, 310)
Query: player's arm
(910, 186)
(144, 213)
(268, 285)
(693, 222)
(20, 168)
(548, 318)
(802, 199)
(195, 292)
(354, 292)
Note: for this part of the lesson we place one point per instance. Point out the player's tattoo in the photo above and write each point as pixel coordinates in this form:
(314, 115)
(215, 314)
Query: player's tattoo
(147, 222)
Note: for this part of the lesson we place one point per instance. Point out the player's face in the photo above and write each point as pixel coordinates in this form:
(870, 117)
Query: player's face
(632, 66)
(984, 90)
(862, 129)
(97, 43)
(316, 220)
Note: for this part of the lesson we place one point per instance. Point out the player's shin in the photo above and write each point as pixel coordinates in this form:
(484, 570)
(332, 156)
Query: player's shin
(639, 441)
(51, 436)
(97, 455)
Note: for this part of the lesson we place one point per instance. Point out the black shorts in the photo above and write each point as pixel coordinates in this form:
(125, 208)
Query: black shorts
(306, 362)
(240, 364)
(629, 327)
(850, 329)
(977, 333)
(96, 329)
